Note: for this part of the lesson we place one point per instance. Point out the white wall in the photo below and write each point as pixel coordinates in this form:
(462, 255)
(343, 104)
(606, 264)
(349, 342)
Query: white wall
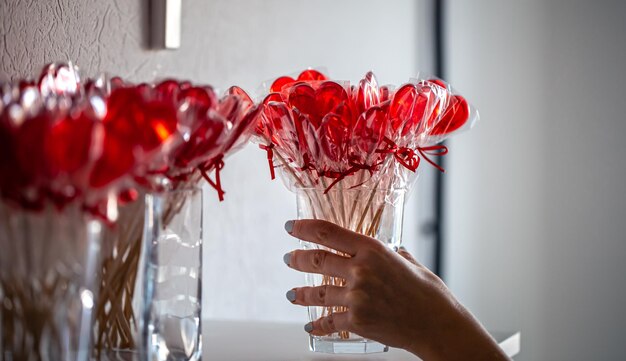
(227, 42)
(536, 201)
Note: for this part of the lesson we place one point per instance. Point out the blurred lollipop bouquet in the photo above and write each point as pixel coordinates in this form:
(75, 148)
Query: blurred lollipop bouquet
(52, 140)
(351, 152)
(57, 196)
(201, 129)
(77, 149)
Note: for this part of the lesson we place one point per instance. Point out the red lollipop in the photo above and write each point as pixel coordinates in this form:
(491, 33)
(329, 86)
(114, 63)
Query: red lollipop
(59, 79)
(454, 117)
(407, 109)
(147, 123)
(302, 125)
(117, 159)
(439, 82)
(167, 90)
(124, 106)
(328, 97)
(159, 124)
(237, 91)
(311, 75)
(199, 99)
(302, 97)
(368, 133)
(384, 93)
(276, 116)
(367, 93)
(229, 107)
(235, 136)
(273, 97)
(280, 83)
(345, 116)
(7, 160)
(263, 128)
(69, 143)
(334, 138)
(203, 141)
(30, 149)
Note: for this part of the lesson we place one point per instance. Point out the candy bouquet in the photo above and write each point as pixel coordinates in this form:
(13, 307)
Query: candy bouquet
(351, 152)
(58, 196)
(202, 128)
(73, 151)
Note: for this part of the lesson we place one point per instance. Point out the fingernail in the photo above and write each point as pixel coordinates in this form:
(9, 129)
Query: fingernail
(287, 258)
(289, 226)
(308, 327)
(401, 248)
(291, 295)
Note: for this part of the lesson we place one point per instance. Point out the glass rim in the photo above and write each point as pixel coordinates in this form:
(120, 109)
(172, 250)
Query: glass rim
(183, 189)
(356, 189)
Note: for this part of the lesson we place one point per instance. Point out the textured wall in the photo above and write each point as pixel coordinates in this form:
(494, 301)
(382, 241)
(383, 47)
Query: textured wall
(226, 42)
(537, 198)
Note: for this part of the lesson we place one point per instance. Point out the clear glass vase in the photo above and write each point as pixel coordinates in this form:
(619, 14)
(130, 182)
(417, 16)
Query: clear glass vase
(171, 321)
(49, 263)
(118, 308)
(374, 212)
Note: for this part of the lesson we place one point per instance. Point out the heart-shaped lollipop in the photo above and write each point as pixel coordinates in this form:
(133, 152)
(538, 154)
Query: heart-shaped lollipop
(330, 97)
(311, 75)
(368, 133)
(334, 141)
(302, 97)
(278, 84)
(116, 160)
(407, 110)
(68, 145)
(455, 116)
(30, 150)
(367, 94)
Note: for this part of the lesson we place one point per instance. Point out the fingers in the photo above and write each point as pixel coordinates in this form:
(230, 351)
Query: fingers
(318, 296)
(330, 324)
(318, 261)
(327, 234)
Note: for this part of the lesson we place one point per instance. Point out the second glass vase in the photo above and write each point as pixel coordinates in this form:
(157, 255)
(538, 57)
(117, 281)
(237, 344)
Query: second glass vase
(172, 247)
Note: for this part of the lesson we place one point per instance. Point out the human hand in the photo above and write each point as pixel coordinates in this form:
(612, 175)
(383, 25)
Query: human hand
(389, 296)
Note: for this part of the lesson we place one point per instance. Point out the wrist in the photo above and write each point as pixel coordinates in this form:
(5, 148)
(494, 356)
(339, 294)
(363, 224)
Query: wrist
(457, 336)
(436, 341)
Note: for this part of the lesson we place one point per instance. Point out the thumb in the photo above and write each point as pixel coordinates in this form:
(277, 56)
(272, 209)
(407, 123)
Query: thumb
(406, 255)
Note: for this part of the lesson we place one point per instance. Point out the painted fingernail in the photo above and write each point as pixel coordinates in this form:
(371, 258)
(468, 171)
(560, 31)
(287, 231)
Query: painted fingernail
(291, 295)
(308, 327)
(289, 226)
(287, 258)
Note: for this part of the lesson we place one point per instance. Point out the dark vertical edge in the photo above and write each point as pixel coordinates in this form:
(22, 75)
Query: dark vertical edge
(439, 27)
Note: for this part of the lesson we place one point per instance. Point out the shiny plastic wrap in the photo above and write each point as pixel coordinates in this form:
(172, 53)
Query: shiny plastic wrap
(328, 134)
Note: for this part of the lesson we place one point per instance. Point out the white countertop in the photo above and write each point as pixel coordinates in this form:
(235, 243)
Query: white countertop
(258, 341)
(266, 341)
